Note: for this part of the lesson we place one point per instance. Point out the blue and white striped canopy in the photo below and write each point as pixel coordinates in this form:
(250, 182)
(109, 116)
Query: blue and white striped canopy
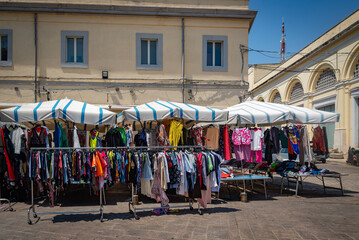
(254, 112)
(158, 110)
(65, 109)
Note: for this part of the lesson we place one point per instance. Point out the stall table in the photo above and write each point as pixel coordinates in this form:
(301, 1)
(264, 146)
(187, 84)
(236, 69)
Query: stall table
(298, 178)
(250, 177)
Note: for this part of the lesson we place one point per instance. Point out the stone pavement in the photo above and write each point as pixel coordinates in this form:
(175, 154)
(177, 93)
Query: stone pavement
(313, 215)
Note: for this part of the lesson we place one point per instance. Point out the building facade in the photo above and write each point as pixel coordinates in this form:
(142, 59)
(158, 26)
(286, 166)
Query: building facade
(324, 75)
(123, 53)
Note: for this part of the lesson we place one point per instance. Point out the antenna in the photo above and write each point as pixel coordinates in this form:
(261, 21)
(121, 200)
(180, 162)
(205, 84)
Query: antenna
(282, 44)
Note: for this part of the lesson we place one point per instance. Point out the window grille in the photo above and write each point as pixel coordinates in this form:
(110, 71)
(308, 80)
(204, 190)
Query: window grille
(326, 79)
(297, 92)
(277, 98)
(356, 70)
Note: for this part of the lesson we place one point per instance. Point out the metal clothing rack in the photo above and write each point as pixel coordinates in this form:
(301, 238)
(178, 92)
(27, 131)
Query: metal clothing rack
(102, 194)
(32, 207)
(132, 205)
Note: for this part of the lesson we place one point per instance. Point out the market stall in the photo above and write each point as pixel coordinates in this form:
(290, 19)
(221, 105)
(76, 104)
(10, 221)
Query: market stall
(58, 167)
(168, 142)
(251, 144)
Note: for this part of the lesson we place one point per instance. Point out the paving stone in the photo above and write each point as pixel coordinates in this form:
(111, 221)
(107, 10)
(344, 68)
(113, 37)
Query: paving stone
(313, 215)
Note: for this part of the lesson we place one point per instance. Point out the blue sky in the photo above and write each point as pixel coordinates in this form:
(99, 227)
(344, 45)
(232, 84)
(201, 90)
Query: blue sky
(305, 20)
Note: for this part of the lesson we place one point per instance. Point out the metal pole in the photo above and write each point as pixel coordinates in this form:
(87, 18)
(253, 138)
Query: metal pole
(183, 60)
(241, 49)
(32, 196)
(35, 36)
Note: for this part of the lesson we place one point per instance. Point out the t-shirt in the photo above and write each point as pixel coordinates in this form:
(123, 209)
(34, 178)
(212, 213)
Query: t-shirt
(257, 136)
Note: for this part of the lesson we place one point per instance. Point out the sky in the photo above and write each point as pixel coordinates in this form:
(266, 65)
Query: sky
(304, 20)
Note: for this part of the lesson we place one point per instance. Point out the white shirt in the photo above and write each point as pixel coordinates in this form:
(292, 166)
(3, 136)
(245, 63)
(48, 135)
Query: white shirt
(16, 135)
(256, 143)
(76, 138)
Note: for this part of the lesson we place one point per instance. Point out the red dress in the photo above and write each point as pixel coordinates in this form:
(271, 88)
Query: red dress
(226, 144)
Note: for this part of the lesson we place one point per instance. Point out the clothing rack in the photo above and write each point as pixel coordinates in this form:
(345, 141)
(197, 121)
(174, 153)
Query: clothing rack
(32, 207)
(101, 192)
(132, 204)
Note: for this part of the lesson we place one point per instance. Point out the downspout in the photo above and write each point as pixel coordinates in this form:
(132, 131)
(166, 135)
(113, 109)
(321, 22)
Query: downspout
(35, 35)
(183, 60)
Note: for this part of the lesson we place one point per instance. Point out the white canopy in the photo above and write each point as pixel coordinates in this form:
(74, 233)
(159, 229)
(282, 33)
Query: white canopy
(158, 110)
(254, 112)
(65, 109)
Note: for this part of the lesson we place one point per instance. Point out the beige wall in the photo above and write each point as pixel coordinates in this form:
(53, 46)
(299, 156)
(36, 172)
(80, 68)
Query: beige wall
(112, 47)
(223, 4)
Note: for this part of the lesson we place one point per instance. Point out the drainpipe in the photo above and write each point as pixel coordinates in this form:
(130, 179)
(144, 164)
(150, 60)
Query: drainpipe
(241, 49)
(35, 35)
(183, 60)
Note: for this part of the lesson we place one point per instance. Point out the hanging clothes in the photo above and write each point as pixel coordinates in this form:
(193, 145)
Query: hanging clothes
(157, 191)
(93, 138)
(257, 145)
(292, 134)
(161, 136)
(226, 144)
(8, 163)
(326, 141)
(319, 141)
(271, 141)
(211, 137)
(283, 139)
(75, 137)
(241, 140)
(176, 133)
(304, 145)
(197, 135)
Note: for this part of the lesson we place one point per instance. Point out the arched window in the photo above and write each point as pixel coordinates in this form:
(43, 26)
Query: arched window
(277, 98)
(356, 70)
(326, 79)
(260, 99)
(297, 92)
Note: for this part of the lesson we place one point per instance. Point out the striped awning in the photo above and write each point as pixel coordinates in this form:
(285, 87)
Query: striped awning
(255, 112)
(65, 109)
(158, 110)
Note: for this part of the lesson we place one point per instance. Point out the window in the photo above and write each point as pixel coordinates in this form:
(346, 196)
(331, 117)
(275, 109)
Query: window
(215, 53)
(277, 98)
(297, 92)
(356, 70)
(326, 79)
(5, 47)
(149, 51)
(74, 49)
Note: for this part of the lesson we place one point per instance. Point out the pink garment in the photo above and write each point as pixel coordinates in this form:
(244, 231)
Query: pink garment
(226, 144)
(259, 156)
(241, 136)
(245, 152)
(206, 194)
(236, 150)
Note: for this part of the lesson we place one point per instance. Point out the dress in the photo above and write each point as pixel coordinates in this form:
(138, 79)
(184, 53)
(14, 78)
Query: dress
(241, 139)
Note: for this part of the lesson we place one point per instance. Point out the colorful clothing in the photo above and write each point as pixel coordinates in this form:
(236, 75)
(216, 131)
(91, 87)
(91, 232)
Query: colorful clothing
(161, 136)
(241, 136)
(293, 136)
(197, 134)
(318, 141)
